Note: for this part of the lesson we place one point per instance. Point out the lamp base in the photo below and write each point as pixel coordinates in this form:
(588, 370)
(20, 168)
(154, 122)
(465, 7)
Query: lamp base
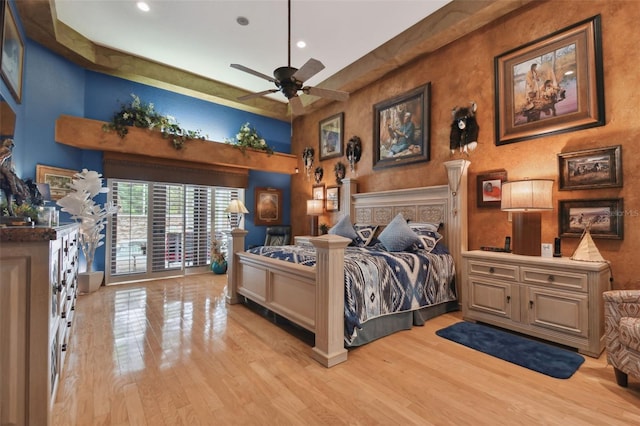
(314, 226)
(526, 229)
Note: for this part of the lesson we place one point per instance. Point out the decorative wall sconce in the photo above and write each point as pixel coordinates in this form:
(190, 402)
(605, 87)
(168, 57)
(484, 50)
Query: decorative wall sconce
(317, 175)
(354, 152)
(464, 129)
(307, 158)
(340, 171)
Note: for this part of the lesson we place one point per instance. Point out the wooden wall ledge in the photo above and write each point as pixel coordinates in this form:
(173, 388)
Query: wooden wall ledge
(88, 134)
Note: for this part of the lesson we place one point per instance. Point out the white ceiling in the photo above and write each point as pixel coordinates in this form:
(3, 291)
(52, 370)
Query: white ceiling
(203, 37)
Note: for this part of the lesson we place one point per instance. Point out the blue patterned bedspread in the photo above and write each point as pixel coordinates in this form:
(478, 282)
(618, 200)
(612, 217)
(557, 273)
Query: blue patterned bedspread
(379, 282)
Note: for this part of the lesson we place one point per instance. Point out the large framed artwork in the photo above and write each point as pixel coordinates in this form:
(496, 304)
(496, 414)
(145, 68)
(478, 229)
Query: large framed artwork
(268, 205)
(59, 180)
(591, 168)
(401, 129)
(551, 85)
(331, 137)
(12, 48)
(605, 217)
(489, 188)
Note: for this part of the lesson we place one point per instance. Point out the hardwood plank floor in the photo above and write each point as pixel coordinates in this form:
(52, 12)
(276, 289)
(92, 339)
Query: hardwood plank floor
(170, 352)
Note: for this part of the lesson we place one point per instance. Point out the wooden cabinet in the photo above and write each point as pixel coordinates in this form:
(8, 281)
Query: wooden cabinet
(556, 299)
(39, 268)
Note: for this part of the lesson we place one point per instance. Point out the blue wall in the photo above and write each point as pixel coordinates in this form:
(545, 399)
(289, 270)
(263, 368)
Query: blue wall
(53, 86)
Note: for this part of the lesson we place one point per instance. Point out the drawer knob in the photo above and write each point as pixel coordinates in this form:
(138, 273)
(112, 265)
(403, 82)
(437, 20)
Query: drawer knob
(64, 347)
(508, 299)
(491, 270)
(531, 304)
(550, 279)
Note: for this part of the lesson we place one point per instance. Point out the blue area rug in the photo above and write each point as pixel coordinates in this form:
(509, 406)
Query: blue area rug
(528, 353)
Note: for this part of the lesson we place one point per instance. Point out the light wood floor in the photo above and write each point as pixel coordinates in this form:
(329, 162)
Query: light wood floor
(171, 352)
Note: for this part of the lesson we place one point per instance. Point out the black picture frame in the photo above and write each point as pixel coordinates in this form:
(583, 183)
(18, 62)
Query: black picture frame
(590, 168)
(11, 53)
(563, 92)
(489, 188)
(606, 216)
(331, 137)
(388, 118)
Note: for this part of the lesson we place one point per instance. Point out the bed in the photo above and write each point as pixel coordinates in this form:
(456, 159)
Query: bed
(311, 292)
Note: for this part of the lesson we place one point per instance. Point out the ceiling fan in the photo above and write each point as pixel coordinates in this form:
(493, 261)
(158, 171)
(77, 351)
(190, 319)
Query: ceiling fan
(290, 81)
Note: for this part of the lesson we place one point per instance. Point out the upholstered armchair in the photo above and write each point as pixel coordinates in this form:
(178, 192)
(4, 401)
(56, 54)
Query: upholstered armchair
(622, 332)
(278, 235)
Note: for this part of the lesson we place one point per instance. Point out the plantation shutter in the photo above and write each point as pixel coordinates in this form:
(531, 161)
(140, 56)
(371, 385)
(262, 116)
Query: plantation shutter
(198, 225)
(168, 239)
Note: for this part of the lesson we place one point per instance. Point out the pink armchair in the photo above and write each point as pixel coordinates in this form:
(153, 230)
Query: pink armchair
(622, 332)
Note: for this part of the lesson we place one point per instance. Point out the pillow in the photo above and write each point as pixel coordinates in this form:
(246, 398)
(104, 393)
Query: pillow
(397, 236)
(428, 240)
(365, 234)
(421, 228)
(344, 228)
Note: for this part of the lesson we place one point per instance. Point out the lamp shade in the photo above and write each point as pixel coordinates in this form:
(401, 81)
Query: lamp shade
(527, 195)
(236, 206)
(315, 207)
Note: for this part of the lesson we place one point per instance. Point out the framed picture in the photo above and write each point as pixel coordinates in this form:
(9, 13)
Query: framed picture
(401, 129)
(331, 137)
(489, 188)
(333, 198)
(268, 205)
(606, 217)
(591, 168)
(59, 180)
(318, 192)
(551, 85)
(12, 48)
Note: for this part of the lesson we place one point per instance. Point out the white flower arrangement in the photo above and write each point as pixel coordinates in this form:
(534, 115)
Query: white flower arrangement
(248, 137)
(82, 207)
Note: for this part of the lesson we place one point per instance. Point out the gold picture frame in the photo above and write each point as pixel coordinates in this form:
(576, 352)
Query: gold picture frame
(59, 179)
(331, 137)
(268, 205)
(12, 53)
(551, 85)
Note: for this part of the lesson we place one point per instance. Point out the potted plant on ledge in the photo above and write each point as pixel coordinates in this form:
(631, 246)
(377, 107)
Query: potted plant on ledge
(80, 204)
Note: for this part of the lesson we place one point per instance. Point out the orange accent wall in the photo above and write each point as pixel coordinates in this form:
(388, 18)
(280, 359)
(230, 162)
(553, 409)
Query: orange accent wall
(463, 71)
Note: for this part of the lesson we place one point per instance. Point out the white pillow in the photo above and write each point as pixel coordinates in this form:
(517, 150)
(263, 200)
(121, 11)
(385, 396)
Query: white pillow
(344, 228)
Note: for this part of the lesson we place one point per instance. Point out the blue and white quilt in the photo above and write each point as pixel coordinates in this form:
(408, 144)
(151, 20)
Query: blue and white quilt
(379, 282)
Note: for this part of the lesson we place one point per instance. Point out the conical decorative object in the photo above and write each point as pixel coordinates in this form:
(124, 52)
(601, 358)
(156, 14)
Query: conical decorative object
(587, 250)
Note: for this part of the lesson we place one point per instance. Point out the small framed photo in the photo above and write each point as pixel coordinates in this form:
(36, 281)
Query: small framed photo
(331, 137)
(318, 192)
(401, 129)
(59, 180)
(12, 50)
(333, 198)
(268, 205)
(605, 218)
(489, 188)
(591, 168)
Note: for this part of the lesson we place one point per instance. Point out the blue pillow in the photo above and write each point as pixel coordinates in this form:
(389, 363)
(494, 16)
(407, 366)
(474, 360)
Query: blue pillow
(397, 236)
(428, 240)
(423, 228)
(344, 228)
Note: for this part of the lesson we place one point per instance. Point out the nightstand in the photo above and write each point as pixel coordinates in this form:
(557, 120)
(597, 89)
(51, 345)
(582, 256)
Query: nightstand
(556, 299)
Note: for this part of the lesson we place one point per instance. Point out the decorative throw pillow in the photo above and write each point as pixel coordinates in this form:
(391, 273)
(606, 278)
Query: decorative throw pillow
(397, 236)
(421, 228)
(344, 228)
(365, 234)
(428, 240)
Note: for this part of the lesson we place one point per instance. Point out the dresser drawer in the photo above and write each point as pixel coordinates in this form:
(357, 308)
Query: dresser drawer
(493, 270)
(553, 278)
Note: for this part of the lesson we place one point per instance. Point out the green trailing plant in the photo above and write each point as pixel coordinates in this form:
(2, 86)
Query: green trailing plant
(248, 137)
(143, 115)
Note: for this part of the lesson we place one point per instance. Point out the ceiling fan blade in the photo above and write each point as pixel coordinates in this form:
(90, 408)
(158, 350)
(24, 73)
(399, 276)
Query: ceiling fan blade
(296, 105)
(308, 70)
(250, 71)
(257, 95)
(326, 93)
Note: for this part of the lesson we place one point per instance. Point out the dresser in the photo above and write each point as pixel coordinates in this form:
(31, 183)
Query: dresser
(39, 269)
(556, 299)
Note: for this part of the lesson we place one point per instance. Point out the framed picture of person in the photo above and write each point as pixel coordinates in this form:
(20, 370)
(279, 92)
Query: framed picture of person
(268, 205)
(489, 188)
(12, 48)
(401, 129)
(331, 137)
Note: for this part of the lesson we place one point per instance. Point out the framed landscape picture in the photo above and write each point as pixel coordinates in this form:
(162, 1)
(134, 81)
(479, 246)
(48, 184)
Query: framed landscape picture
(551, 85)
(59, 180)
(12, 49)
(591, 168)
(605, 218)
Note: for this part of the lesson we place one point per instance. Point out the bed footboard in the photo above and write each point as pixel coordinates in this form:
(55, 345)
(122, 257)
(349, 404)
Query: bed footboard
(310, 297)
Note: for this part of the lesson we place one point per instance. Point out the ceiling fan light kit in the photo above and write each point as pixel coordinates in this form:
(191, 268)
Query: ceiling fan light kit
(290, 80)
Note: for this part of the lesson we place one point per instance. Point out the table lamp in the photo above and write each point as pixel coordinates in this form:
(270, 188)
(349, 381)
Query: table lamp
(237, 208)
(314, 209)
(526, 199)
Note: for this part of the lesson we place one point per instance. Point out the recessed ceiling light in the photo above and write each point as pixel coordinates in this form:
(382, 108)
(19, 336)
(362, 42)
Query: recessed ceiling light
(143, 6)
(242, 21)
(301, 44)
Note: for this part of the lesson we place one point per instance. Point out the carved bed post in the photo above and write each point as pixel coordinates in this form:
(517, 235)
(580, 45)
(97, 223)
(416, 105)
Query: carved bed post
(235, 243)
(329, 328)
(349, 187)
